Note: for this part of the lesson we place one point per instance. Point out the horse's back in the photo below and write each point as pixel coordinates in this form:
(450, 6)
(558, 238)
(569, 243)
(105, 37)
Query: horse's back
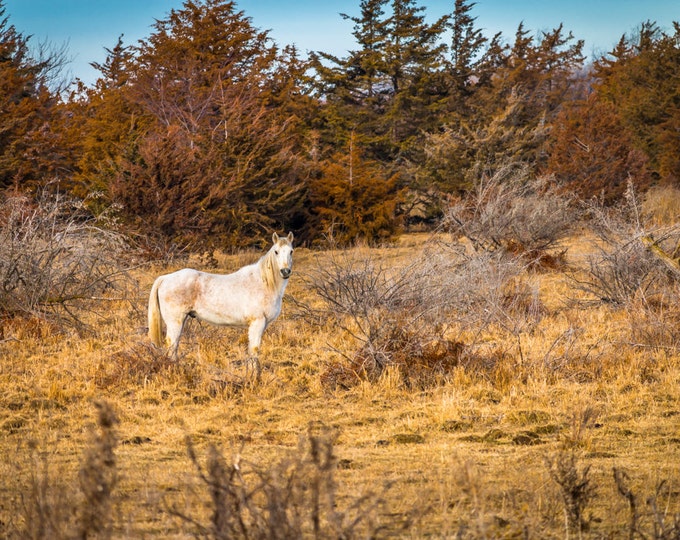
(179, 288)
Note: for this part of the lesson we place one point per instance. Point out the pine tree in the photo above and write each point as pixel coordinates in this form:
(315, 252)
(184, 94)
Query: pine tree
(466, 51)
(414, 60)
(217, 160)
(528, 87)
(640, 78)
(354, 88)
(389, 89)
(354, 198)
(32, 151)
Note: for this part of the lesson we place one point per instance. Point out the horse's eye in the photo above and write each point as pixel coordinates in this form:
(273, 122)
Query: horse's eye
(276, 252)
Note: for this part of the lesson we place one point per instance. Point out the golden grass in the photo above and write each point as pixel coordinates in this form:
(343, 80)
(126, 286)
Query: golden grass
(470, 457)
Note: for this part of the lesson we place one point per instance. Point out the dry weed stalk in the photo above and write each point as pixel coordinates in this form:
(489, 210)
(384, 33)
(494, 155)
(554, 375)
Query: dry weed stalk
(49, 507)
(292, 498)
(576, 488)
(663, 526)
(42, 508)
(98, 477)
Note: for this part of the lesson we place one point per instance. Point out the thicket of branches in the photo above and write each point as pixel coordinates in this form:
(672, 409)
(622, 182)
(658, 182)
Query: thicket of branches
(56, 263)
(207, 133)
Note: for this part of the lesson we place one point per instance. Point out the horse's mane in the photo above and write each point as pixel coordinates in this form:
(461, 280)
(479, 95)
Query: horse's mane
(268, 269)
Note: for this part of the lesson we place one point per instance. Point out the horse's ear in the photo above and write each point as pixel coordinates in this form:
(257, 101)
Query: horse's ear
(290, 237)
(275, 238)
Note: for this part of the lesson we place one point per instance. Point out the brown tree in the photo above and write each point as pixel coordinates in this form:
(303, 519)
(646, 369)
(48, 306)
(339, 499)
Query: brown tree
(355, 199)
(108, 124)
(217, 162)
(32, 148)
(640, 78)
(591, 152)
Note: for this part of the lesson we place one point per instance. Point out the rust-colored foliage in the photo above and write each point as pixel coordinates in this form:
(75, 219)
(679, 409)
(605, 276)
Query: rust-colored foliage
(205, 145)
(33, 148)
(592, 153)
(639, 78)
(354, 199)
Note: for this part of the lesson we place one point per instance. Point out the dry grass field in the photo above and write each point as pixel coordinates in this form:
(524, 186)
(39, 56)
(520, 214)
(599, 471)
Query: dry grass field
(541, 416)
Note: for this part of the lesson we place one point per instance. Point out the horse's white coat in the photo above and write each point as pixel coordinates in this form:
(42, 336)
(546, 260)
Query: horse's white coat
(250, 297)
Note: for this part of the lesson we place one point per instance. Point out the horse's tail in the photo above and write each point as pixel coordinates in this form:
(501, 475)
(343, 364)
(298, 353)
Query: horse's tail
(155, 319)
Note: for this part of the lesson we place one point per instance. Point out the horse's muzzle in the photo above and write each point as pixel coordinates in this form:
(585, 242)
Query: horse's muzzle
(285, 272)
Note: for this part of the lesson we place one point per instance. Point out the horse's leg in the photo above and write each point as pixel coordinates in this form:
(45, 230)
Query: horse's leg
(255, 331)
(174, 327)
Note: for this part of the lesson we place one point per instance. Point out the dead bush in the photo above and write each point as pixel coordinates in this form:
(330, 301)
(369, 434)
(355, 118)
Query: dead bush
(136, 364)
(515, 212)
(633, 261)
(422, 318)
(56, 263)
(655, 322)
(385, 310)
(619, 273)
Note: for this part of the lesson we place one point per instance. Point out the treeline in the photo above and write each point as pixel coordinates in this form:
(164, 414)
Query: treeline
(208, 134)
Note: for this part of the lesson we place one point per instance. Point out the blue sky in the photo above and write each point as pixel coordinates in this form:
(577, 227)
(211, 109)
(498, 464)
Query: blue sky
(87, 27)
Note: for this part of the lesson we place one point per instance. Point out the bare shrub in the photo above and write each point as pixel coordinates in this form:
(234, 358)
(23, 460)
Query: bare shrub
(515, 212)
(655, 322)
(619, 273)
(56, 263)
(292, 498)
(136, 364)
(631, 262)
(423, 318)
(387, 311)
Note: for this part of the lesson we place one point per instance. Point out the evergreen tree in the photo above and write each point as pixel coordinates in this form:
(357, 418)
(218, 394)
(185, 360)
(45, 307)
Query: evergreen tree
(466, 51)
(387, 91)
(218, 161)
(32, 151)
(109, 126)
(640, 78)
(354, 198)
(414, 60)
(354, 89)
(527, 89)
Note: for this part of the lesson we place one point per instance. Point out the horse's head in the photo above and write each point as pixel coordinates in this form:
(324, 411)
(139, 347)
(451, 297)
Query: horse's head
(283, 253)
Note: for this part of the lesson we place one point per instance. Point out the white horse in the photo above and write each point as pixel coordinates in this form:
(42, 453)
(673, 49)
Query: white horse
(250, 297)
